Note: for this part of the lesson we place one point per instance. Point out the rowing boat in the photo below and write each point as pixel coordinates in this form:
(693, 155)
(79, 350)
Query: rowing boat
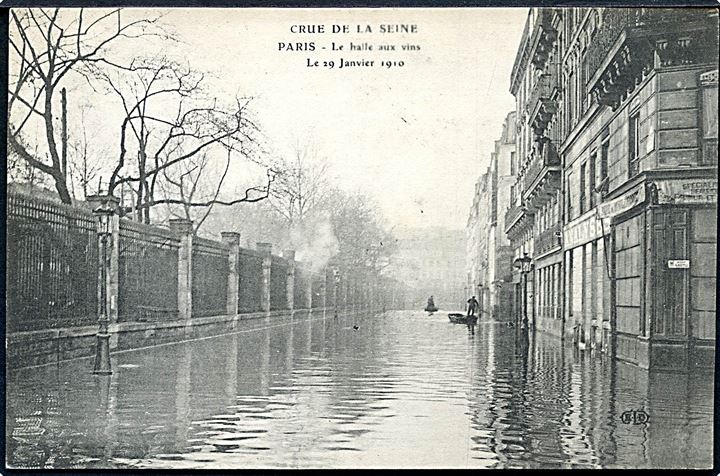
(458, 318)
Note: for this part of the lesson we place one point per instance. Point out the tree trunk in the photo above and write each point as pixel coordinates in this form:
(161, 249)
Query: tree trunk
(62, 190)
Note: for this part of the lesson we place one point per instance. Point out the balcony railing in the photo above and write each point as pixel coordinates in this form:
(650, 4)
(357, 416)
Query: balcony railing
(548, 239)
(543, 37)
(541, 107)
(614, 22)
(538, 164)
(614, 68)
(512, 214)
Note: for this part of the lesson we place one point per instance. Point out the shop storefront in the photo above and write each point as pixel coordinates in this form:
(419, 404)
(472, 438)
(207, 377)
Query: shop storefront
(664, 262)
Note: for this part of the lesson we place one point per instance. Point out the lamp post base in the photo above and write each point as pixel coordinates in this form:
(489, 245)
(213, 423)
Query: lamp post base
(102, 355)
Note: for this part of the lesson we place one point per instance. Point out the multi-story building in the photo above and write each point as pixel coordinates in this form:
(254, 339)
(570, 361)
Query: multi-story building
(533, 220)
(478, 235)
(488, 248)
(627, 101)
(431, 261)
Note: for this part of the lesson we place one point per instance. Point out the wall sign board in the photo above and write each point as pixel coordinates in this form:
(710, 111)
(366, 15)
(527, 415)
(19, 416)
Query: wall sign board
(687, 191)
(679, 263)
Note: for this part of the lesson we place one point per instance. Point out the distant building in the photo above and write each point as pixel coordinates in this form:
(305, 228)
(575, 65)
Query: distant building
(488, 255)
(613, 215)
(431, 261)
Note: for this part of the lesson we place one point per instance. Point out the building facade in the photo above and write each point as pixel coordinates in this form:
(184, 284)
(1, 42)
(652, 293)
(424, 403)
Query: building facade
(626, 100)
(431, 261)
(489, 253)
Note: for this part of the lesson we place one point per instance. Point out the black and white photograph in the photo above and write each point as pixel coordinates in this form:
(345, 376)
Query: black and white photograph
(360, 238)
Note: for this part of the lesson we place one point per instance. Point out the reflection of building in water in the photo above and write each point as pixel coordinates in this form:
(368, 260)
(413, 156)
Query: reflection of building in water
(489, 254)
(431, 261)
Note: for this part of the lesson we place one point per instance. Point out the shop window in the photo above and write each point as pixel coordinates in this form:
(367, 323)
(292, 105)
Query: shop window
(604, 151)
(703, 260)
(583, 171)
(568, 198)
(710, 116)
(591, 179)
(634, 144)
(570, 283)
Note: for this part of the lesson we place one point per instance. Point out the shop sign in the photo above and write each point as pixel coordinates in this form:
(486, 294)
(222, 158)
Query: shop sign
(621, 204)
(679, 263)
(687, 191)
(588, 229)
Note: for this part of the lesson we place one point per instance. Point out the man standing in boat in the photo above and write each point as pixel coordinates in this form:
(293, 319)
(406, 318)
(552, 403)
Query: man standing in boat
(431, 305)
(473, 305)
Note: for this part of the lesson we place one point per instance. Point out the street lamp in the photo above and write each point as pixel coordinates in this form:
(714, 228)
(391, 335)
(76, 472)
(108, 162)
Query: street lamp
(481, 297)
(104, 215)
(525, 265)
(336, 277)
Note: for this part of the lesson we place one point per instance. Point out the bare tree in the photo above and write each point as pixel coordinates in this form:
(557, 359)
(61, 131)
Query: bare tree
(302, 185)
(198, 189)
(365, 242)
(46, 45)
(84, 167)
(174, 129)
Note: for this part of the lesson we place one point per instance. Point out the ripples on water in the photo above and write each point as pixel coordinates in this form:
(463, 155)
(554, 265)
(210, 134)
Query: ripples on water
(401, 390)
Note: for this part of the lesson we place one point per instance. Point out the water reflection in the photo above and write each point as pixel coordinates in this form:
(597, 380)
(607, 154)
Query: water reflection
(395, 390)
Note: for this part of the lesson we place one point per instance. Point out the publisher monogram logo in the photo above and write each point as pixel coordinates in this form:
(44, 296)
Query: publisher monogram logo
(634, 417)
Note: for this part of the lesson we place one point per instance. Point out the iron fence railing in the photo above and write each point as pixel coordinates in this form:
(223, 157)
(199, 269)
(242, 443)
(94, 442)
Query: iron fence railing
(250, 269)
(300, 284)
(210, 278)
(147, 273)
(278, 284)
(51, 265)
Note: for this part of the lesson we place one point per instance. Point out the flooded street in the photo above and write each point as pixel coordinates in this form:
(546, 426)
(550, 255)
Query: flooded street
(399, 389)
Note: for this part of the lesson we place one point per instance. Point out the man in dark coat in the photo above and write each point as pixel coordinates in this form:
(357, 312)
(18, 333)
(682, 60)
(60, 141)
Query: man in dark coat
(473, 305)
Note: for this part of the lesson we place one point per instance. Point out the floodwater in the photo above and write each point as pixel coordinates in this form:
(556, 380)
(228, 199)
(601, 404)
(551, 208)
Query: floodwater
(399, 389)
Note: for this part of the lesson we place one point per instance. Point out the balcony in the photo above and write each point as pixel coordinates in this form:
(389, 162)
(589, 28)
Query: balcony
(622, 51)
(535, 46)
(542, 39)
(516, 218)
(548, 239)
(545, 161)
(541, 105)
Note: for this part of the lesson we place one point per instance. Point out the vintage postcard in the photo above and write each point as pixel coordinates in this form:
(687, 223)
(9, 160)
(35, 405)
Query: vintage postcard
(298, 238)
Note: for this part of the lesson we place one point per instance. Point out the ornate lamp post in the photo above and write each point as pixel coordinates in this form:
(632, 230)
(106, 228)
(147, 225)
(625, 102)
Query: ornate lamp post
(336, 277)
(525, 265)
(481, 298)
(104, 215)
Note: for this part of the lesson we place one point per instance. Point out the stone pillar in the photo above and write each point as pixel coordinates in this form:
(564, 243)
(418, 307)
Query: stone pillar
(232, 239)
(289, 255)
(323, 289)
(307, 272)
(266, 250)
(183, 228)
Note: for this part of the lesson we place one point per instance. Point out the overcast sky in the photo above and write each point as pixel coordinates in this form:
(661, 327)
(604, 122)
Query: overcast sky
(416, 138)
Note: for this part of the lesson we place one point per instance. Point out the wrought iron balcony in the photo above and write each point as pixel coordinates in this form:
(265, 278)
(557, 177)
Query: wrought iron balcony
(546, 161)
(512, 214)
(548, 239)
(541, 105)
(515, 214)
(622, 51)
(542, 39)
